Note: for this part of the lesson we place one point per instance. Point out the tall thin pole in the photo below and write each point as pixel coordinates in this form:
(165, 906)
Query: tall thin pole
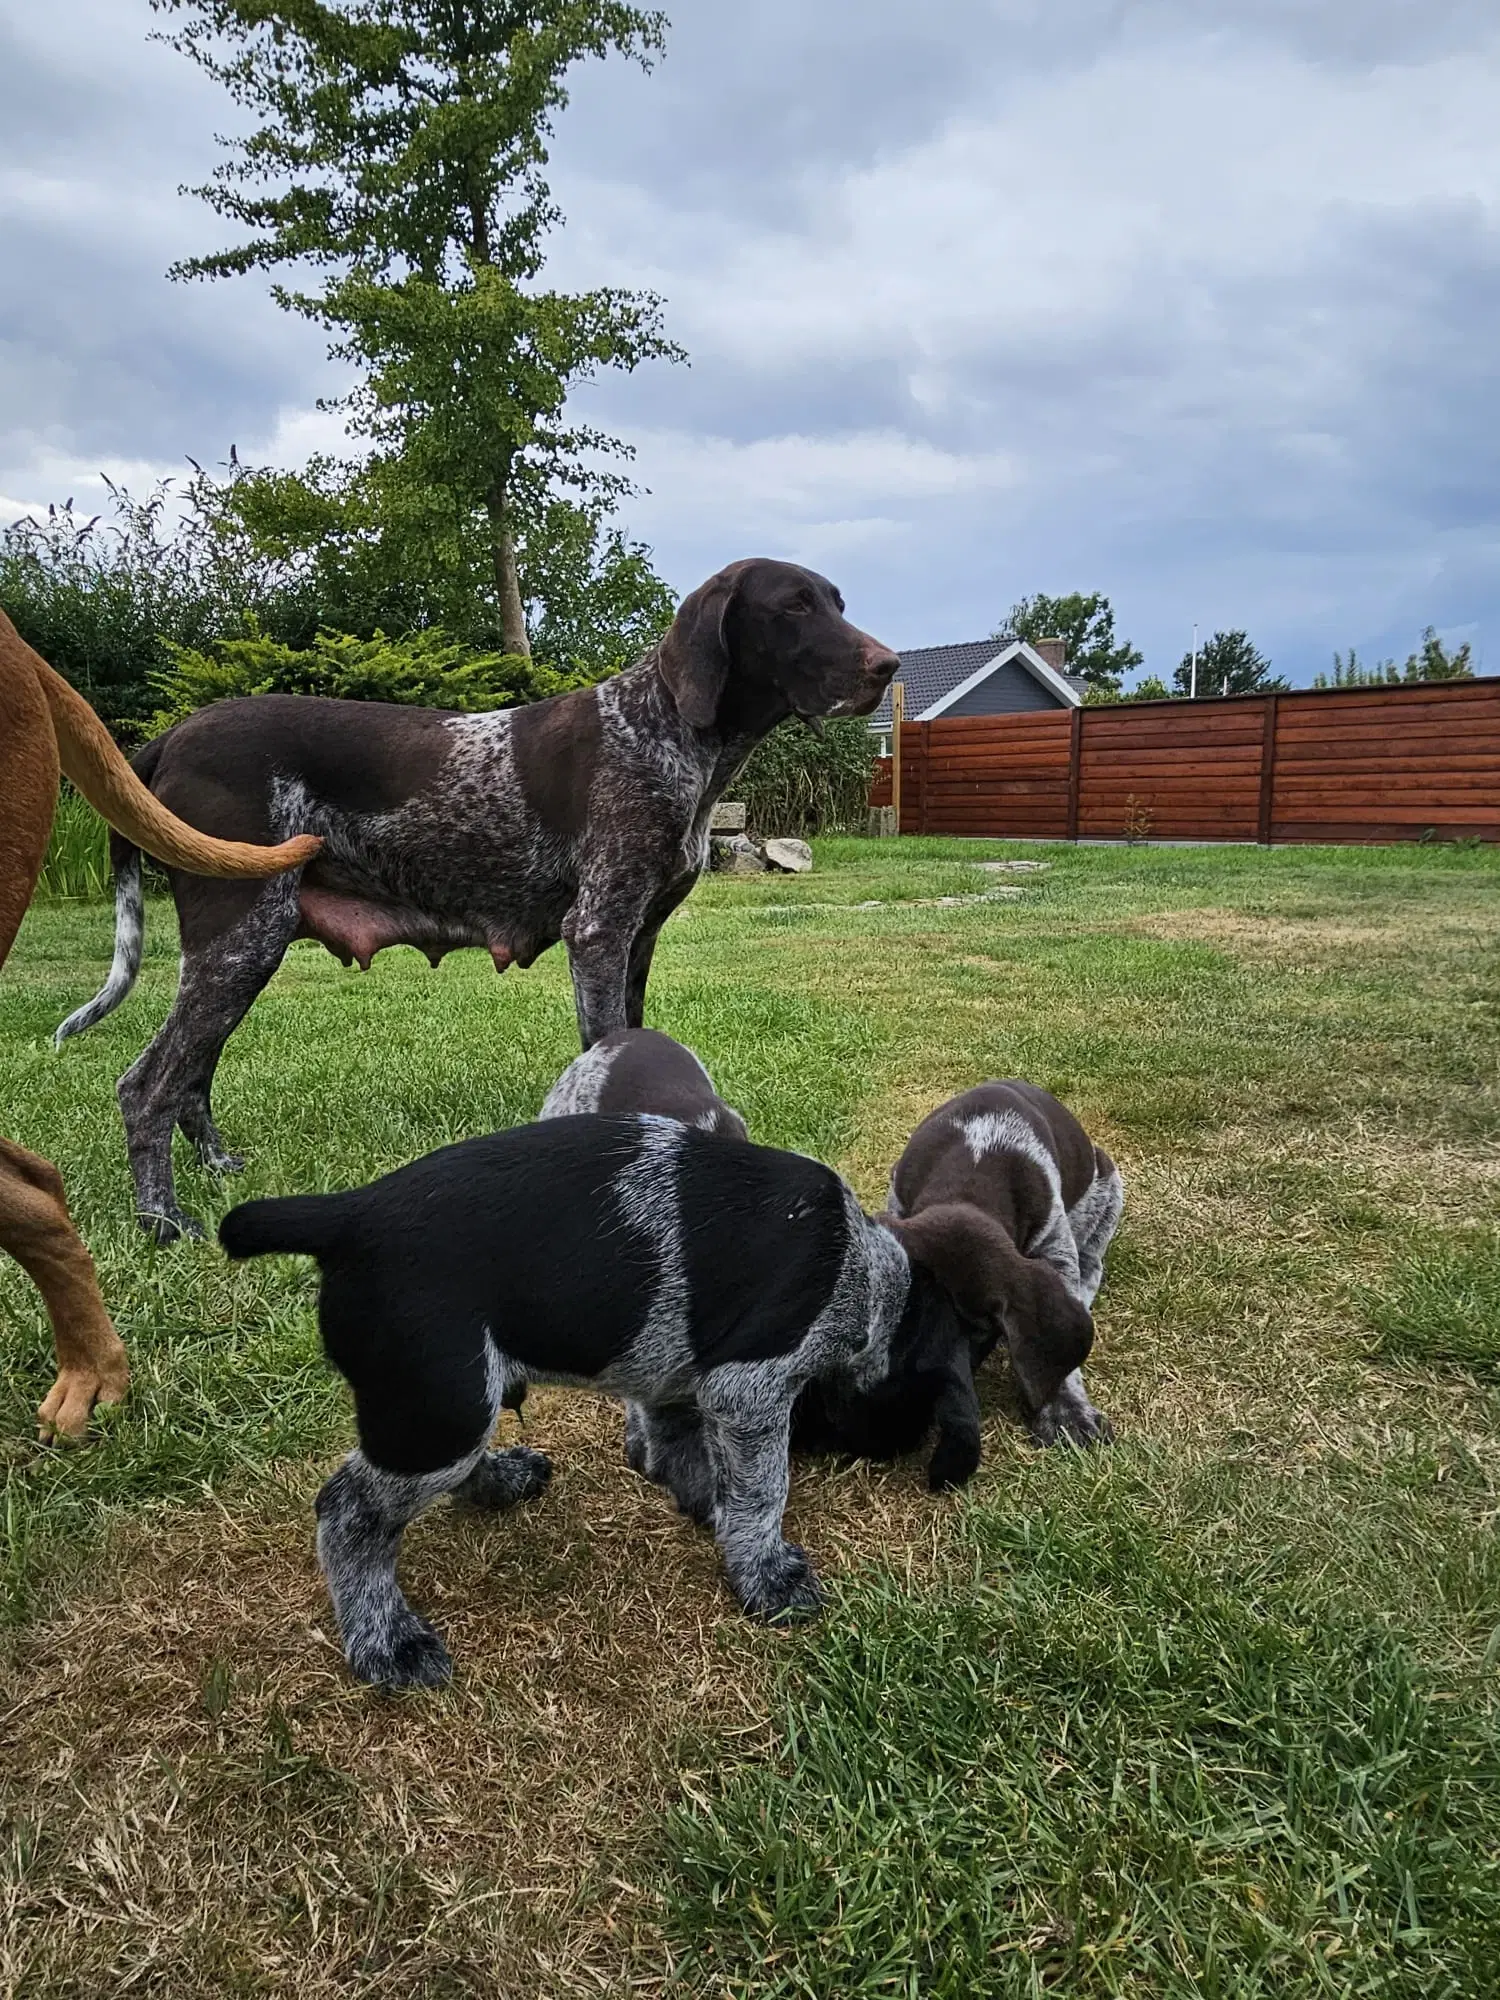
(1193, 683)
(898, 713)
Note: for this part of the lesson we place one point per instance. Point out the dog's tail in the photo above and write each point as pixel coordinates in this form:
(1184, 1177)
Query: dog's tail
(294, 1225)
(90, 758)
(130, 932)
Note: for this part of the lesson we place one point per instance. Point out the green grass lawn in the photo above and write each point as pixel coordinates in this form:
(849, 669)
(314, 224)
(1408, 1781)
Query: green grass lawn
(1211, 1712)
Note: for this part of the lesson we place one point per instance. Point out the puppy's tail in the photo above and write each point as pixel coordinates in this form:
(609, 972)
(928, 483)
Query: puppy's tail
(300, 1225)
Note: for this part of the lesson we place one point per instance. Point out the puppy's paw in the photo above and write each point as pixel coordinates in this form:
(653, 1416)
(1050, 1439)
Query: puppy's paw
(1070, 1423)
(504, 1478)
(781, 1589)
(414, 1656)
(223, 1163)
(953, 1463)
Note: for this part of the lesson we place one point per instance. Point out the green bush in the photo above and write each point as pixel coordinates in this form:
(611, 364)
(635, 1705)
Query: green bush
(427, 668)
(103, 601)
(801, 783)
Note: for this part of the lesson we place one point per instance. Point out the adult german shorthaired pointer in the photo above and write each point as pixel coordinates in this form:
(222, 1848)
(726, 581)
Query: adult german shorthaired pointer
(703, 1283)
(583, 818)
(1042, 1202)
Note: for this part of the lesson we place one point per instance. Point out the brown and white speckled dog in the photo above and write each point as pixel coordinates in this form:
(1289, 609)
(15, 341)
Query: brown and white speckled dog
(583, 818)
(46, 727)
(1036, 1203)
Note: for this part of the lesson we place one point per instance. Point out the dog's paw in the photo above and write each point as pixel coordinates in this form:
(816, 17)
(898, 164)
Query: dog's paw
(168, 1226)
(1067, 1423)
(953, 1463)
(505, 1478)
(413, 1657)
(223, 1163)
(64, 1416)
(781, 1588)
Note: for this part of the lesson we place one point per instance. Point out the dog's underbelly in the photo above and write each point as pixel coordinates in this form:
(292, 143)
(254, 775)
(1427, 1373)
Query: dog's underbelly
(355, 927)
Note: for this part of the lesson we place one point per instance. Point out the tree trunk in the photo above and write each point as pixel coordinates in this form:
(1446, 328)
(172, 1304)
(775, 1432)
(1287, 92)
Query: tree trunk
(507, 585)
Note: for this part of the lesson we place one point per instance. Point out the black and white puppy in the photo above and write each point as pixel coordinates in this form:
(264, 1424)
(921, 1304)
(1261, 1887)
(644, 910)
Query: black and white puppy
(640, 1069)
(1041, 1203)
(704, 1284)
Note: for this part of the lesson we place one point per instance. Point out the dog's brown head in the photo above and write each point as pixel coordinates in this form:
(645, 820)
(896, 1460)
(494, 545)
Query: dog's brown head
(1047, 1330)
(764, 639)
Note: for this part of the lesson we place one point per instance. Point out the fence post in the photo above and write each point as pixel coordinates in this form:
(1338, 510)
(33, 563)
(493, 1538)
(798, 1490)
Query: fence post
(1075, 763)
(1267, 773)
(898, 716)
(924, 741)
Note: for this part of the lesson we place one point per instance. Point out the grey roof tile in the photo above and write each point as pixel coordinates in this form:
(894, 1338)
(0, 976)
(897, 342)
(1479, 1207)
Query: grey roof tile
(930, 672)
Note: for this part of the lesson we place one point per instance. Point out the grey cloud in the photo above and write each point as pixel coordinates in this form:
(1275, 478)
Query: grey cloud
(1193, 305)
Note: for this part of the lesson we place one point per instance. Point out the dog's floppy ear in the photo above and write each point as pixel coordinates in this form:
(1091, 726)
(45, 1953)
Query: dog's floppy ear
(1048, 1332)
(694, 656)
(969, 1254)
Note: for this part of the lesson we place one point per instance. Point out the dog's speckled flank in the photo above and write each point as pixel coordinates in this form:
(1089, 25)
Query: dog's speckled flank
(582, 819)
(704, 1284)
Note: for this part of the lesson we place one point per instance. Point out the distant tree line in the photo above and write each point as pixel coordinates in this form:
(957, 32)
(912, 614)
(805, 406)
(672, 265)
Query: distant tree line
(1227, 663)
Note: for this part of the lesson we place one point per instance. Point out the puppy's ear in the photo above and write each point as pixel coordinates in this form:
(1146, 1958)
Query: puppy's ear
(694, 656)
(969, 1254)
(1049, 1334)
(1047, 1331)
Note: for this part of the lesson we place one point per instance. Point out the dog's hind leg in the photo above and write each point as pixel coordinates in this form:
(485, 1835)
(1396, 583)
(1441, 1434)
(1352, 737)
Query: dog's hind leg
(169, 1082)
(1094, 1221)
(748, 1425)
(667, 1444)
(195, 1120)
(362, 1512)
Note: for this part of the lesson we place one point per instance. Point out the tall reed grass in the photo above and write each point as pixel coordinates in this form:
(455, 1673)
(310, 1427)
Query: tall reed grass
(77, 866)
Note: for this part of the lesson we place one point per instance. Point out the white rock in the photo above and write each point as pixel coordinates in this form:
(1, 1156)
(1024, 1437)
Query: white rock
(792, 857)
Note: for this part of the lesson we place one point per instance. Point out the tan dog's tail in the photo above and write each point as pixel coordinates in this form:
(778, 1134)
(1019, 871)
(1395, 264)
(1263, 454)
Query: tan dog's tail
(91, 759)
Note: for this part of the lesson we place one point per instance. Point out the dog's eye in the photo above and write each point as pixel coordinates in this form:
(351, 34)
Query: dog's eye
(802, 605)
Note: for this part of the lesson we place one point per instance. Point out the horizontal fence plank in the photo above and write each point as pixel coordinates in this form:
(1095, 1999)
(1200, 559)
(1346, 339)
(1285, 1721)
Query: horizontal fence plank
(1421, 739)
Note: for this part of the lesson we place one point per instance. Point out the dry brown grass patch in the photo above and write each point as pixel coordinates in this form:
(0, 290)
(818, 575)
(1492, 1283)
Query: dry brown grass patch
(1297, 937)
(200, 1800)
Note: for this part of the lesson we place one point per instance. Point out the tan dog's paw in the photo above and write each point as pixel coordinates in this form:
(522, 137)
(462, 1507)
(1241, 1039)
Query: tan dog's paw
(64, 1416)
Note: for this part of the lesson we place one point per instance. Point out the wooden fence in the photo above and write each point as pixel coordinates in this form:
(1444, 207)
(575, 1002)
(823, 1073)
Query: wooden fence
(1342, 764)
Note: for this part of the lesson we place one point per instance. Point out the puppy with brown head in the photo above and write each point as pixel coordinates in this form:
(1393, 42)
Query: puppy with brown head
(1002, 1197)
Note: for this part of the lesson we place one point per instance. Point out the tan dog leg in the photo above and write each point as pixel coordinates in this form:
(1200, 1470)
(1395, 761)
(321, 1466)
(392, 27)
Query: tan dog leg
(37, 1230)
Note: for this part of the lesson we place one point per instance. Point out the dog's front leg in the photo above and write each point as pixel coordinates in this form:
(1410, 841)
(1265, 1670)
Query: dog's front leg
(598, 940)
(749, 1437)
(955, 1457)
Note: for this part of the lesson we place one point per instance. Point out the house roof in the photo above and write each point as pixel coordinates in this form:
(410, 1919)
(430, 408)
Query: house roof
(935, 676)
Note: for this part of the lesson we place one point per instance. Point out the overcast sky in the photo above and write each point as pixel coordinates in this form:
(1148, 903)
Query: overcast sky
(1192, 302)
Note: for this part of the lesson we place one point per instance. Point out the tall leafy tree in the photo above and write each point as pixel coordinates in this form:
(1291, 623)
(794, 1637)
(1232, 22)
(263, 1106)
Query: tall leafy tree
(397, 173)
(1087, 623)
(370, 548)
(1228, 664)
